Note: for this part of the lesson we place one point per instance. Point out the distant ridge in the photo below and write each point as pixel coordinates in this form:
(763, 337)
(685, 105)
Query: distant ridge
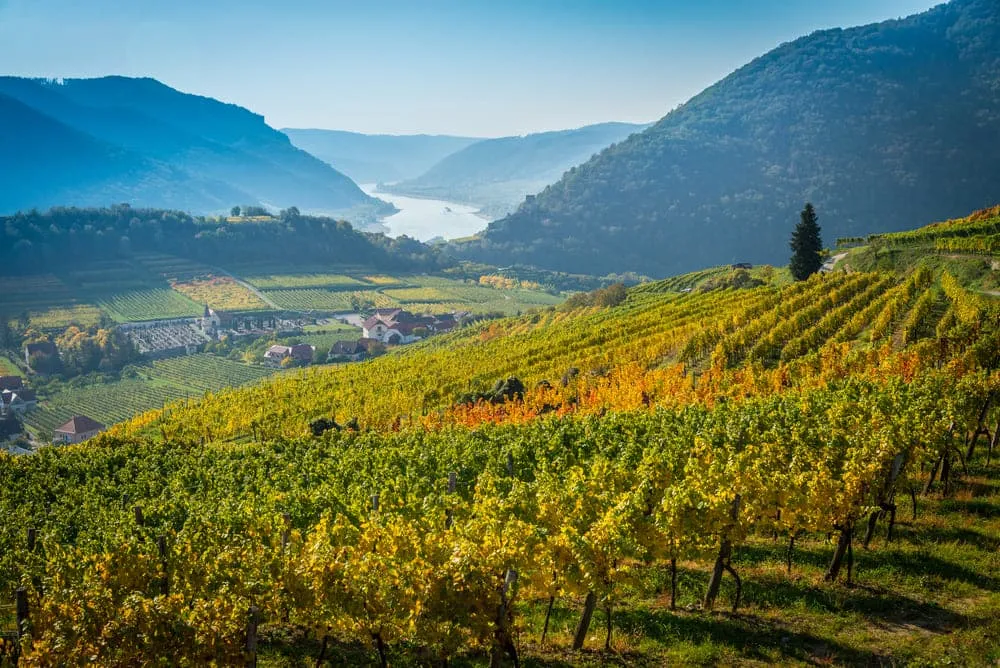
(497, 173)
(881, 127)
(140, 141)
(377, 158)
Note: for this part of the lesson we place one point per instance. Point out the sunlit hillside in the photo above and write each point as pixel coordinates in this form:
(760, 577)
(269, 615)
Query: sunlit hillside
(721, 468)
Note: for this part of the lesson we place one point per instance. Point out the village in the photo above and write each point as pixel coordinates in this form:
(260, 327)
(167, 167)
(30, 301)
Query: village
(235, 335)
(382, 328)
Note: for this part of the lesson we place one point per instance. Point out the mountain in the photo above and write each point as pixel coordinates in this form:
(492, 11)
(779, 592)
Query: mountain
(204, 155)
(377, 158)
(496, 174)
(879, 126)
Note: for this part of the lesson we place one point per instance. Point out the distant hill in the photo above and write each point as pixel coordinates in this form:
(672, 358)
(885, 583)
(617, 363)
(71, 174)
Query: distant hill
(47, 161)
(881, 127)
(496, 174)
(169, 149)
(377, 158)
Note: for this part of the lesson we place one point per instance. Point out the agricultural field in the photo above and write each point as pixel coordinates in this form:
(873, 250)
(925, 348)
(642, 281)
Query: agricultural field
(8, 368)
(85, 315)
(142, 388)
(296, 281)
(427, 295)
(205, 373)
(48, 300)
(149, 304)
(326, 300)
(172, 268)
(419, 293)
(323, 340)
(220, 292)
(106, 403)
(383, 280)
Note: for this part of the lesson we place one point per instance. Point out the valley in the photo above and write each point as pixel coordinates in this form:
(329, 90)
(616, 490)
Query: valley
(419, 380)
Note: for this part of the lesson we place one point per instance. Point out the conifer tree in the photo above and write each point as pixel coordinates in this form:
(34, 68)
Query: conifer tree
(806, 246)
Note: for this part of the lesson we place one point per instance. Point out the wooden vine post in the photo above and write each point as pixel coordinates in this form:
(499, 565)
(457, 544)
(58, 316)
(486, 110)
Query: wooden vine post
(503, 643)
(723, 563)
(588, 612)
(21, 612)
(161, 548)
(251, 644)
(452, 486)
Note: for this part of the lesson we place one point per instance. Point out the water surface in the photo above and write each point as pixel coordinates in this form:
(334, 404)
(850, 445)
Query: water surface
(425, 219)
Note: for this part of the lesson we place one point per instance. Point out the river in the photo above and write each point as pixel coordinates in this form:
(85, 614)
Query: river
(425, 219)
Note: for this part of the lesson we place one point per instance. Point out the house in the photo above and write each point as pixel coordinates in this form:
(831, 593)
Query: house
(276, 353)
(741, 265)
(300, 352)
(11, 403)
(347, 351)
(396, 326)
(17, 401)
(39, 348)
(78, 429)
(11, 383)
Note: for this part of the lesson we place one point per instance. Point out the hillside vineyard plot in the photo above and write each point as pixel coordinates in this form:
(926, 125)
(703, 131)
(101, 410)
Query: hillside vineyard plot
(734, 342)
(673, 448)
(156, 384)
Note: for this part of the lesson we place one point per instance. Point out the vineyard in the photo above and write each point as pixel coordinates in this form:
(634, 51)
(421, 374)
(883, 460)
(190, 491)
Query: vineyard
(220, 292)
(416, 293)
(795, 474)
(151, 304)
(734, 341)
(151, 386)
(294, 281)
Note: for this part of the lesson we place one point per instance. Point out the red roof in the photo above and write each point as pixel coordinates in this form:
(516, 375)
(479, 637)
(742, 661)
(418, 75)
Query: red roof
(80, 424)
(302, 351)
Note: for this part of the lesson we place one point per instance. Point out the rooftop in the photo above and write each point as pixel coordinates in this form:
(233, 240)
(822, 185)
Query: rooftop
(80, 424)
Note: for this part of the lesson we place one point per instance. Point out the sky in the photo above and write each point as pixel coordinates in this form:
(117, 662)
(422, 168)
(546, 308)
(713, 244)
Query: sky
(479, 68)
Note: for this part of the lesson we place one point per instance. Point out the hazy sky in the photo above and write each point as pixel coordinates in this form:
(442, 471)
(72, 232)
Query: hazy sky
(482, 68)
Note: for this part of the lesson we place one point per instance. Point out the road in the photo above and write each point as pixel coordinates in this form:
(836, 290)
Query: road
(832, 262)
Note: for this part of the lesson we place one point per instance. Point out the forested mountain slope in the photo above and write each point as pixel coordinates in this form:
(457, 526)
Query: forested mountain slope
(208, 155)
(43, 160)
(880, 126)
(377, 158)
(496, 174)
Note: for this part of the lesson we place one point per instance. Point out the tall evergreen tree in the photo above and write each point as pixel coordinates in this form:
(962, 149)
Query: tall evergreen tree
(806, 246)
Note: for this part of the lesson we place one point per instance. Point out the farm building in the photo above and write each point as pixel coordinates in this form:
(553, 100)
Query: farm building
(347, 351)
(77, 430)
(301, 352)
(395, 326)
